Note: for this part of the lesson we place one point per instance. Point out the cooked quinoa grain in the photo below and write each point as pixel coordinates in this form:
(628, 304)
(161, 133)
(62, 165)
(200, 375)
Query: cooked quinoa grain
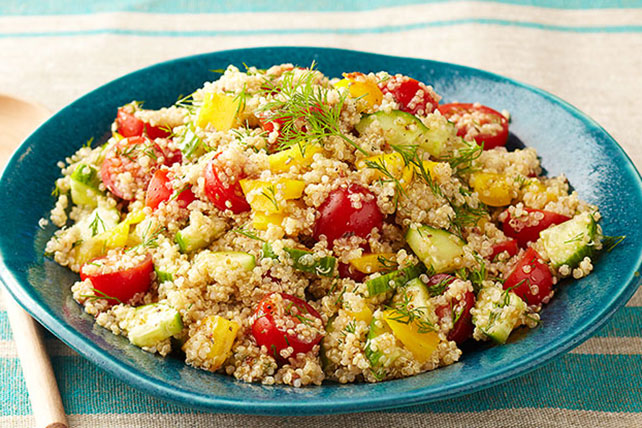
(280, 226)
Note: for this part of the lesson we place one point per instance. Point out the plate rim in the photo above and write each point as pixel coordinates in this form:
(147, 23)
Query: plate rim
(135, 377)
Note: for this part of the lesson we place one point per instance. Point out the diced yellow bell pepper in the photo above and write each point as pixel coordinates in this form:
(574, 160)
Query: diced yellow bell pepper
(494, 189)
(360, 87)
(219, 110)
(261, 221)
(221, 334)
(365, 314)
(283, 160)
(393, 163)
(374, 262)
(429, 167)
(117, 136)
(537, 186)
(267, 197)
(115, 237)
(421, 344)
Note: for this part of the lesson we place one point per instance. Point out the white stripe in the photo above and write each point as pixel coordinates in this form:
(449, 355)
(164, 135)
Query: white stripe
(636, 300)
(610, 346)
(55, 348)
(402, 15)
(540, 418)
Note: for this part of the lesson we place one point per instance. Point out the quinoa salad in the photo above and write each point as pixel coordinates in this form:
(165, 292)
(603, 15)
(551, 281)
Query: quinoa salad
(284, 227)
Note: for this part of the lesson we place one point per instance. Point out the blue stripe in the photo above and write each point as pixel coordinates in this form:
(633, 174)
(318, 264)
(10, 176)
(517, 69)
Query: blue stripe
(600, 383)
(347, 31)
(626, 322)
(59, 7)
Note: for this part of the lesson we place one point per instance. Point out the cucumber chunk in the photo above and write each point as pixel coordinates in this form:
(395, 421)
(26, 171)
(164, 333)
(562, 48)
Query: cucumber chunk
(438, 249)
(569, 242)
(100, 220)
(392, 280)
(373, 354)
(162, 275)
(84, 185)
(154, 323)
(418, 296)
(303, 260)
(307, 261)
(497, 312)
(401, 128)
(229, 259)
(199, 233)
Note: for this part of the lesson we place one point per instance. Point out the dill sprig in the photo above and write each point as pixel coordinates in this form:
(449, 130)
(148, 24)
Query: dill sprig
(270, 194)
(612, 241)
(463, 162)
(149, 238)
(96, 223)
(303, 110)
(248, 234)
(98, 295)
(404, 312)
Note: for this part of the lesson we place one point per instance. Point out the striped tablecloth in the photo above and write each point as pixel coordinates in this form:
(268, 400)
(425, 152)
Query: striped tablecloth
(587, 52)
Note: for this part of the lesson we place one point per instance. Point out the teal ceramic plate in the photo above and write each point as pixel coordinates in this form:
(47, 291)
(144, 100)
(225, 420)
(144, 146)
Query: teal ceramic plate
(568, 142)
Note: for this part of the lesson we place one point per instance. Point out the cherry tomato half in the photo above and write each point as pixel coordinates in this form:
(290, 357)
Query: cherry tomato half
(526, 228)
(121, 284)
(530, 279)
(458, 310)
(341, 217)
(160, 189)
(224, 196)
(509, 246)
(484, 124)
(128, 125)
(413, 96)
(272, 317)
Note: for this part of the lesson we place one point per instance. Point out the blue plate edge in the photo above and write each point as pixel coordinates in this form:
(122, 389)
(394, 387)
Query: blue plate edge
(413, 397)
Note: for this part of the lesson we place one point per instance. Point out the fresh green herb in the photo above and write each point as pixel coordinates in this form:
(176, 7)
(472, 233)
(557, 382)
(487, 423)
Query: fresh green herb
(439, 288)
(149, 238)
(96, 223)
(300, 103)
(270, 194)
(386, 264)
(351, 327)
(99, 295)
(610, 242)
(248, 233)
(576, 238)
(88, 143)
(404, 312)
(462, 163)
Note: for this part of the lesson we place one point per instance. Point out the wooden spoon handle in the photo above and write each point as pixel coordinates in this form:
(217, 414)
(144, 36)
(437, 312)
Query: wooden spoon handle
(36, 367)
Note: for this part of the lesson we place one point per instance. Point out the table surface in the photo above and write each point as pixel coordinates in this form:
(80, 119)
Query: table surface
(586, 52)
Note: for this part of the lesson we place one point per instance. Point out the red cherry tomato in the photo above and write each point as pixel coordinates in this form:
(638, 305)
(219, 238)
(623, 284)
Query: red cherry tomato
(463, 326)
(128, 125)
(224, 196)
(273, 313)
(121, 158)
(340, 218)
(413, 96)
(121, 284)
(530, 279)
(160, 189)
(469, 117)
(526, 228)
(509, 246)
(346, 270)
